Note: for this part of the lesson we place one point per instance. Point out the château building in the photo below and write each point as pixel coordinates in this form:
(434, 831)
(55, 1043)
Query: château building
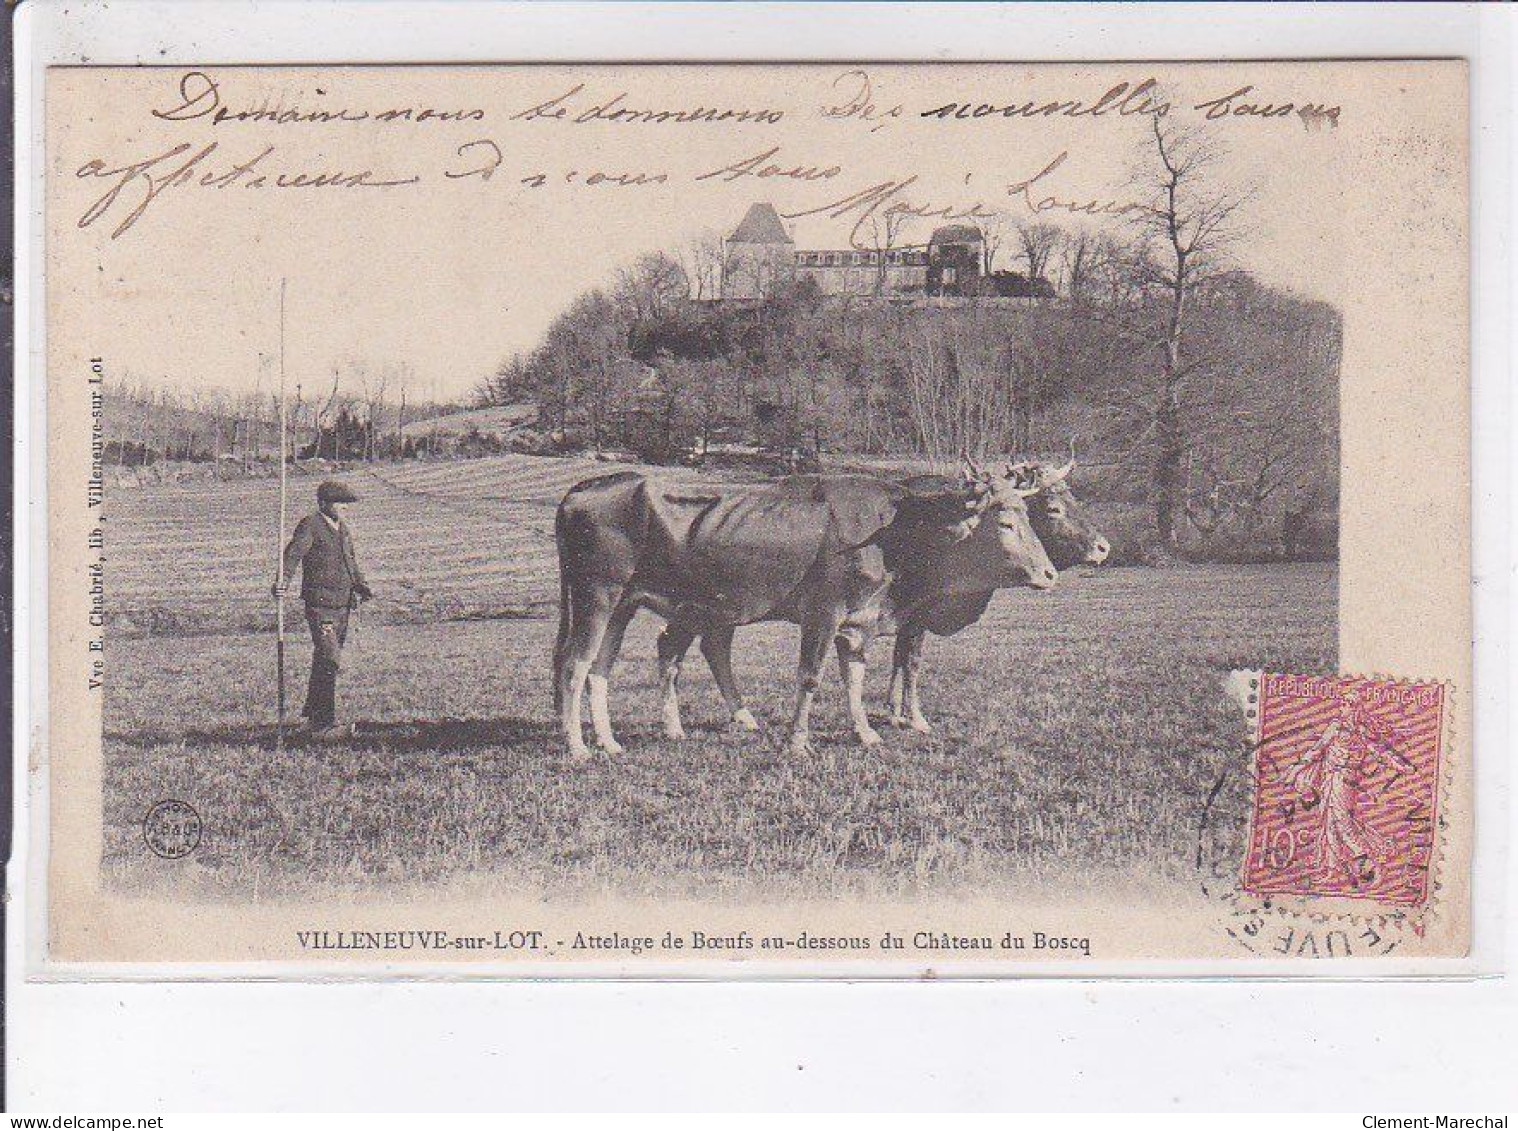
(761, 253)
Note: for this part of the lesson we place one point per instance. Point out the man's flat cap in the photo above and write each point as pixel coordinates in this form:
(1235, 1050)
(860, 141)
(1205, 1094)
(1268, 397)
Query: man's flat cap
(335, 491)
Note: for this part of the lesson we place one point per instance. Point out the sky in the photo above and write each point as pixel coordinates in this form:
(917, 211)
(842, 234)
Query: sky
(174, 265)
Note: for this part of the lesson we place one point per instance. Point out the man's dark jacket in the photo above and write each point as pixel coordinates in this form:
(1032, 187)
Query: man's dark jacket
(329, 571)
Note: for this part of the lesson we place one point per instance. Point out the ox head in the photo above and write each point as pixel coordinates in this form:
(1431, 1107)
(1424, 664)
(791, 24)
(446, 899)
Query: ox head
(1056, 517)
(997, 543)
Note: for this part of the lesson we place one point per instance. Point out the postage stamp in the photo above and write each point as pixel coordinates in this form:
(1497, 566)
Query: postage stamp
(1346, 787)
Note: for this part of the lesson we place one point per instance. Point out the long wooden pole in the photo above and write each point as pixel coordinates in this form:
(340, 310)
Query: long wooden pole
(279, 545)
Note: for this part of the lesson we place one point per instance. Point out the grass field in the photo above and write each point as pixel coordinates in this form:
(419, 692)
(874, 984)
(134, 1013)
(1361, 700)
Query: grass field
(439, 541)
(1078, 731)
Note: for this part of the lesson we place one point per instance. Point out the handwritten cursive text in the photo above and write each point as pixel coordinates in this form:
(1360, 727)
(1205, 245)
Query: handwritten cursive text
(138, 184)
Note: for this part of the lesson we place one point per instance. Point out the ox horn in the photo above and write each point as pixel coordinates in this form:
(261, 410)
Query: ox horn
(1058, 474)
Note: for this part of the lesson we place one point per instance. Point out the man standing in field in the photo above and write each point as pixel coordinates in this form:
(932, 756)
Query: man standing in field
(331, 585)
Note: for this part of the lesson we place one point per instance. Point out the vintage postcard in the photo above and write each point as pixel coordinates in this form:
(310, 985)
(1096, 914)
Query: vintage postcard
(743, 520)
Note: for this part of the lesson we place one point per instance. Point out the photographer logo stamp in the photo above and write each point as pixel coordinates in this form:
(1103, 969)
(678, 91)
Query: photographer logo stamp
(1346, 788)
(172, 829)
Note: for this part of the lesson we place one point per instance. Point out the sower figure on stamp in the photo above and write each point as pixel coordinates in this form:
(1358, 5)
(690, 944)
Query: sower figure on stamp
(1335, 772)
(331, 585)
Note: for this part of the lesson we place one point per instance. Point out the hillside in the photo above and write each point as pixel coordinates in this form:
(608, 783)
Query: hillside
(1220, 442)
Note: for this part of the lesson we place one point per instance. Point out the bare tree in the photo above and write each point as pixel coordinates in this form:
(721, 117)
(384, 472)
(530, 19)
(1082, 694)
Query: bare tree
(701, 260)
(326, 410)
(652, 286)
(1186, 228)
(373, 388)
(959, 401)
(1036, 246)
(1119, 270)
(1078, 263)
(993, 235)
(885, 233)
(216, 407)
(403, 379)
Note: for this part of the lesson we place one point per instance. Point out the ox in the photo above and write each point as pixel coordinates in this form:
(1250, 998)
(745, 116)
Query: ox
(820, 551)
(922, 597)
(921, 603)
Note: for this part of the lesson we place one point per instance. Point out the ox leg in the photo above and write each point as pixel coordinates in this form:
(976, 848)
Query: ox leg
(851, 668)
(600, 675)
(815, 638)
(906, 710)
(717, 647)
(592, 612)
(674, 642)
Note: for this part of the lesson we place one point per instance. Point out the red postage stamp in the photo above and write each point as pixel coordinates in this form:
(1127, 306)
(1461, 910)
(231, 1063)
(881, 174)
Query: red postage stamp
(1346, 787)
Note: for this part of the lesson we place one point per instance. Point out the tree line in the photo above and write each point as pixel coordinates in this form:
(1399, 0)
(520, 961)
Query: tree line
(359, 414)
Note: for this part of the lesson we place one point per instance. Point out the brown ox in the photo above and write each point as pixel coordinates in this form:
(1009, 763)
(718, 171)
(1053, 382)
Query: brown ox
(820, 551)
(921, 604)
(927, 594)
